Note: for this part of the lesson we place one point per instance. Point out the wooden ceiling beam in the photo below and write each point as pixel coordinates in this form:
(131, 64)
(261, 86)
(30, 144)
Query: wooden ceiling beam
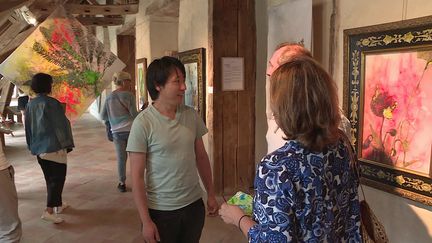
(41, 9)
(163, 8)
(109, 9)
(6, 50)
(101, 21)
(81, 9)
(94, 2)
(12, 4)
(10, 33)
(128, 28)
(74, 1)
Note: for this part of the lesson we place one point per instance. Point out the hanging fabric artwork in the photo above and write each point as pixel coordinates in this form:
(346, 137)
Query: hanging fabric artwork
(62, 47)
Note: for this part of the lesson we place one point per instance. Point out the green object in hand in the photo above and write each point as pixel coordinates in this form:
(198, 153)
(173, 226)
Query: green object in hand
(243, 200)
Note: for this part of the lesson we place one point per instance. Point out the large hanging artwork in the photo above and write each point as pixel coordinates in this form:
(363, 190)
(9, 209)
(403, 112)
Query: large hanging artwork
(80, 65)
(388, 96)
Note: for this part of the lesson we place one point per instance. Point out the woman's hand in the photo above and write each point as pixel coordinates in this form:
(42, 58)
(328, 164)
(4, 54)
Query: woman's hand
(230, 214)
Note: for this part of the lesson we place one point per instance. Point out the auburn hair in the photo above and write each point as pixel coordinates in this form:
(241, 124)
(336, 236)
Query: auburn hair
(303, 98)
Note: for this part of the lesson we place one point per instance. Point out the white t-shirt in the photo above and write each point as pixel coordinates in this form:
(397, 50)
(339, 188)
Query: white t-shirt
(58, 156)
(171, 175)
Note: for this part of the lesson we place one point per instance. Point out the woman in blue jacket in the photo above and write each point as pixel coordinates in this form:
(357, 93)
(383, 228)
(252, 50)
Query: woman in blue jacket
(49, 137)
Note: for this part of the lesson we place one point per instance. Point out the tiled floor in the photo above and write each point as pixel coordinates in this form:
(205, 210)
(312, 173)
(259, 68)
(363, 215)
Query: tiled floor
(98, 212)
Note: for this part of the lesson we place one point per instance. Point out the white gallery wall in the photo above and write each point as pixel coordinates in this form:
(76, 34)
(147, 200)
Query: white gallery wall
(163, 36)
(193, 25)
(142, 37)
(154, 35)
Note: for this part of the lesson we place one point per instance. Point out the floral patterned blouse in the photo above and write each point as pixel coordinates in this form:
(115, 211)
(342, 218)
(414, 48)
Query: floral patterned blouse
(303, 196)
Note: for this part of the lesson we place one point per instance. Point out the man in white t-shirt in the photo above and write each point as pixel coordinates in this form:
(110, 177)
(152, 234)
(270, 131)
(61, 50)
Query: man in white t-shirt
(168, 158)
(10, 223)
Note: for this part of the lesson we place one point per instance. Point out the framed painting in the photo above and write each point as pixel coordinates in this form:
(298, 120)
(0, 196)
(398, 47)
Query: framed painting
(141, 89)
(194, 62)
(388, 98)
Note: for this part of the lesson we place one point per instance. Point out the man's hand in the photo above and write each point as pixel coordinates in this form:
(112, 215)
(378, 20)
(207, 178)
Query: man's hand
(212, 206)
(150, 232)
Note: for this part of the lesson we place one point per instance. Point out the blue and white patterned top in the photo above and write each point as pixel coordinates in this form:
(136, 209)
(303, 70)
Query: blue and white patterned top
(302, 196)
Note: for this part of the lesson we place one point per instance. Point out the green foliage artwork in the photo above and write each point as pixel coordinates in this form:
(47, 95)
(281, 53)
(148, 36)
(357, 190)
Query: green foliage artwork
(79, 63)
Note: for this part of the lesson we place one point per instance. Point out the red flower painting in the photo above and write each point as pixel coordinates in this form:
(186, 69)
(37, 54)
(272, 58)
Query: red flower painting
(398, 110)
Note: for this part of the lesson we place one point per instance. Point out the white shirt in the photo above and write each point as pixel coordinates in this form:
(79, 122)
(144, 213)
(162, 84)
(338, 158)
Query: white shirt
(58, 156)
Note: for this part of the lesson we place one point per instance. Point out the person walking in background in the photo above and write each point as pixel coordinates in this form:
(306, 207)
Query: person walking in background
(10, 223)
(120, 110)
(49, 137)
(305, 191)
(166, 148)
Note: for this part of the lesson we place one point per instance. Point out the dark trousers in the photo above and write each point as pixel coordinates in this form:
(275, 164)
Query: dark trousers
(183, 225)
(55, 176)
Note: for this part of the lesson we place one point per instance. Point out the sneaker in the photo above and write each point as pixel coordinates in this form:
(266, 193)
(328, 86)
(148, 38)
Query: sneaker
(51, 218)
(121, 187)
(60, 209)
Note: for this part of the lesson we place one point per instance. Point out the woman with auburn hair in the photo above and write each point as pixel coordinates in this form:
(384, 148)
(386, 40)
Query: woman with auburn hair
(306, 190)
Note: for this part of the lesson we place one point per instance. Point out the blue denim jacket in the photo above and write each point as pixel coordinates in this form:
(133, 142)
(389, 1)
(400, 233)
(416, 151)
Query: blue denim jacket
(47, 127)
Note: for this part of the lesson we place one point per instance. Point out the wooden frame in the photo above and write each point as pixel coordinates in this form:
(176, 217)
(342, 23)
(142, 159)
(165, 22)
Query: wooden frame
(141, 88)
(194, 61)
(387, 90)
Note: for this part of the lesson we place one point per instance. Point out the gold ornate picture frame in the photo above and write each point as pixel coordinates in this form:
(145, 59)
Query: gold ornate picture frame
(141, 88)
(388, 99)
(194, 62)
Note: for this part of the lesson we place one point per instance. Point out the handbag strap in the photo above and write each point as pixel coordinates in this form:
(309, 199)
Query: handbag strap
(354, 165)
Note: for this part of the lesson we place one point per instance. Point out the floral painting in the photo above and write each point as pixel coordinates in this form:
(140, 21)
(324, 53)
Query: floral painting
(388, 100)
(80, 64)
(398, 110)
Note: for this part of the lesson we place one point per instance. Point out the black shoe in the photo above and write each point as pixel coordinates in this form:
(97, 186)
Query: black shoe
(121, 187)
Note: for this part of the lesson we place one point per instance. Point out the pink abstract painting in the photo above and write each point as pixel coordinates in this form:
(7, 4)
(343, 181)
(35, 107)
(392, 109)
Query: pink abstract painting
(397, 115)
